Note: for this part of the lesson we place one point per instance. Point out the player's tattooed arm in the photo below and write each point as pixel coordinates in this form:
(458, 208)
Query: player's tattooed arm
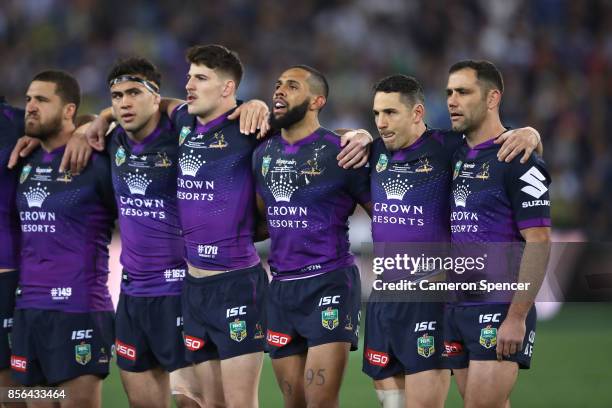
(261, 224)
(355, 147)
(532, 270)
(514, 142)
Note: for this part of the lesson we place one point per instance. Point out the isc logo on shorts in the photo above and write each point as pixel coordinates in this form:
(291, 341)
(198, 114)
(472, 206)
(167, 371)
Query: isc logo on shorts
(278, 339)
(193, 343)
(377, 358)
(125, 350)
(19, 363)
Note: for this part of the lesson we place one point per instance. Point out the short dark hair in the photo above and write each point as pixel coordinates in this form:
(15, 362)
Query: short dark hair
(66, 86)
(135, 66)
(217, 57)
(316, 81)
(486, 72)
(408, 87)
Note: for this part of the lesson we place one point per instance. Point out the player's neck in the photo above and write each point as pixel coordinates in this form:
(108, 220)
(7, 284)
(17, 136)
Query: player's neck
(59, 139)
(301, 129)
(420, 129)
(489, 129)
(226, 105)
(147, 129)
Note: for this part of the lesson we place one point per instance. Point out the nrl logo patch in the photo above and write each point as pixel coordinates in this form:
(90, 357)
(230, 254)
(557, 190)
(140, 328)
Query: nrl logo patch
(238, 330)
(381, 165)
(426, 346)
(265, 165)
(329, 318)
(457, 169)
(25, 172)
(488, 337)
(185, 131)
(120, 156)
(82, 353)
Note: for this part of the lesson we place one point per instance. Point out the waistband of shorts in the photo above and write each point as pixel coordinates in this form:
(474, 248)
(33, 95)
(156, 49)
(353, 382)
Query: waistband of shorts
(222, 276)
(311, 275)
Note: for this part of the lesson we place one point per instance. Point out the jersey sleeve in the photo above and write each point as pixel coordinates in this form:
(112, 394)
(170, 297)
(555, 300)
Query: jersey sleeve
(180, 115)
(104, 185)
(16, 116)
(528, 189)
(358, 185)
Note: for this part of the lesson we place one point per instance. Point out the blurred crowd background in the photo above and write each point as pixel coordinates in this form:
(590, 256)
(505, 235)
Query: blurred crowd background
(555, 55)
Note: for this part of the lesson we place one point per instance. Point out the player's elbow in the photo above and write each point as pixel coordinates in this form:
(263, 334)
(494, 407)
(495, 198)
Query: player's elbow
(539, 234)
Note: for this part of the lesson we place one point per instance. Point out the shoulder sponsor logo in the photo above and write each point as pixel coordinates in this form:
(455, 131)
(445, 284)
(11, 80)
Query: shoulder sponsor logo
(377, 358)
(277, 339)
(534, 178)
(193, 343)
(126, 351)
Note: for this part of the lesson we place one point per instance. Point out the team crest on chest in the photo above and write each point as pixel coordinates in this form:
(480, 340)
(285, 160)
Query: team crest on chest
(381, 165)
(483, 174)
(66, 177)
(218, 141)
(25, 172)
(185, 131)
(424, 166)
(163, 160)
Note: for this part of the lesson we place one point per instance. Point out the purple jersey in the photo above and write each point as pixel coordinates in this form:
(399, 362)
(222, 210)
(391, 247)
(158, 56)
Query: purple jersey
(308, 200)
(66, 225)
(410, 190)
(491, 202)
(11, 128)
(215, 192)
(144, 180)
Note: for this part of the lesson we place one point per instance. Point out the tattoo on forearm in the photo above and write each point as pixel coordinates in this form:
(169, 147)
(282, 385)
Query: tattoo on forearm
(317, 378)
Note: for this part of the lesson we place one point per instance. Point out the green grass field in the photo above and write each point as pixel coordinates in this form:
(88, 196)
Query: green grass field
(571, 367)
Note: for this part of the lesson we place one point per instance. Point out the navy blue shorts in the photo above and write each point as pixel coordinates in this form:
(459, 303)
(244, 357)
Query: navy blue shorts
(403, 338)
(309, 312)
(149, 333)
(51, 347)
(225, 314)
(8, 285)
(471, 334)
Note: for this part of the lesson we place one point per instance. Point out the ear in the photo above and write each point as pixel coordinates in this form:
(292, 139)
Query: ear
(318, 102)
(493, 99)
(229, 88)
(157, 99)
(70, 111)
(418, 112)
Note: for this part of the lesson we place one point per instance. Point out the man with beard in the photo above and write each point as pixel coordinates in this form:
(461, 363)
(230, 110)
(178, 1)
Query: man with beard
(490, 335)
(149, 321)
(314, 297)
(63, 322)
(410, 173)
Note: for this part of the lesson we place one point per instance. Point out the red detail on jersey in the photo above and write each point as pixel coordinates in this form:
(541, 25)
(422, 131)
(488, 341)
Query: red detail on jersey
(377, 358)
(193, 343)
(19, 363)
(452, 348)
(126, 351)
(278, 339)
